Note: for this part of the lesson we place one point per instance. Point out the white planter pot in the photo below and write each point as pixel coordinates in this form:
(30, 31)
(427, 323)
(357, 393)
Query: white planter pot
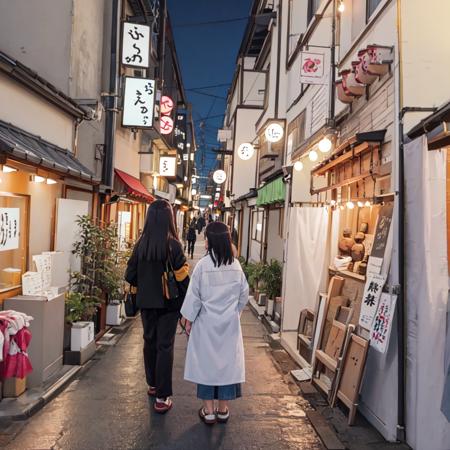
(82, 334)
(269, 307)
(114, 314)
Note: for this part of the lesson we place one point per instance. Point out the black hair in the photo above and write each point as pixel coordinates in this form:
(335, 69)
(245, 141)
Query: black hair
(159, 229)
(219, 243)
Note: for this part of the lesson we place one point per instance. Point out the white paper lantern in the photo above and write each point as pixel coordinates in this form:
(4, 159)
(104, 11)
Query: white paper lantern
(219, 176)
(246, 151)
(274, 132)
(298, 166)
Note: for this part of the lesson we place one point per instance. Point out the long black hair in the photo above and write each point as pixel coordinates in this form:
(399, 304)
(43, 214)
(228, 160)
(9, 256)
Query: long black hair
(219, 243)
(159, 229)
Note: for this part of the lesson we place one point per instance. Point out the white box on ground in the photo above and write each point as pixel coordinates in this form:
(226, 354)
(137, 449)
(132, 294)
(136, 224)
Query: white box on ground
(82, 334)
(114, 314)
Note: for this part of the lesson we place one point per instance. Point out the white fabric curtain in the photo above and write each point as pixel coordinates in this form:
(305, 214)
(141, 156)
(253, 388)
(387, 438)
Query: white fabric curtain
(427, 295)
(307, 261)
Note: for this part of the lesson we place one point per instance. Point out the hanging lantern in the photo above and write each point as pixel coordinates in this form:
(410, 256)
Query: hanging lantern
(274, 132)
(246, 151)
(219, 176)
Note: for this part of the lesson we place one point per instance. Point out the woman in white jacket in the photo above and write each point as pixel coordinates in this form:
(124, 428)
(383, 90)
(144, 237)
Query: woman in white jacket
(217, 294)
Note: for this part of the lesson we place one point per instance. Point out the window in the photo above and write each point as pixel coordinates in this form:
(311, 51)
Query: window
(257, 225)
(371, 7)
(313, 6)
(296, 133)
(296, 25)
(14, 216)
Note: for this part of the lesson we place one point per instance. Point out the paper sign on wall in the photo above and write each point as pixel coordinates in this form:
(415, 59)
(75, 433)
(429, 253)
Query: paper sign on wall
(371, 298)
(9, 228)
(312, 68)
(382, 324)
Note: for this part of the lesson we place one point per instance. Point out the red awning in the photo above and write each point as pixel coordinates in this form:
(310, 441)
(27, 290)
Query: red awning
(134, 187)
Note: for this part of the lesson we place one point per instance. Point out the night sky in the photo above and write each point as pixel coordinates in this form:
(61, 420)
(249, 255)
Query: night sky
(207, 55)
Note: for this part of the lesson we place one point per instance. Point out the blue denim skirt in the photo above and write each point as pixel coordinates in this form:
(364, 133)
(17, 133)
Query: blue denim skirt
(228, 392)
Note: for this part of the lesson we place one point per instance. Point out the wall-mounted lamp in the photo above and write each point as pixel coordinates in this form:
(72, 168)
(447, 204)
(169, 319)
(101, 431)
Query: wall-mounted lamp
(298, 166)
(37, 179)
(313, 156)
(341, 6)
(8, 169)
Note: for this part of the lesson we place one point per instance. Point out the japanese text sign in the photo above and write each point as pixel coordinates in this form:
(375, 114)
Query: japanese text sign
(9, 228)
(370, 300)
(167, 166)
(382, 324)
(139, 102)
(135, 45)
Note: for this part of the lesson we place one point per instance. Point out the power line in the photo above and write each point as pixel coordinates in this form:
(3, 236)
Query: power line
(210, 86)
(210, 22)
(207, 95)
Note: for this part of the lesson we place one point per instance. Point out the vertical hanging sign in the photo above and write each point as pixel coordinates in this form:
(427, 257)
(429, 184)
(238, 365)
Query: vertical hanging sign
(180, 132)
(135, 45)
(138, 103)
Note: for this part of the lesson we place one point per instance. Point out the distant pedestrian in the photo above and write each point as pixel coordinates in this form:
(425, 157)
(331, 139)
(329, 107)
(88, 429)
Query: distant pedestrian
(200, 224)
(216, 297)
(157, 252)
(191, 239)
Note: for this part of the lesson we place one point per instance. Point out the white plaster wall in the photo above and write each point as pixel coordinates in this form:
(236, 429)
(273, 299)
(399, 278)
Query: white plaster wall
(244, 171)
(37, 33)
(30, 112)
(127, 149)
(425, 56)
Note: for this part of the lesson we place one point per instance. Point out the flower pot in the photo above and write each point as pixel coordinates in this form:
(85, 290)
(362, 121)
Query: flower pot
(269, 307)
(114, 314)
(262, 299)
(82, 334)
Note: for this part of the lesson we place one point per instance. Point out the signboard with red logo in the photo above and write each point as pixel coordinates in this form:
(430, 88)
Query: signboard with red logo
(312, 68)
(166, 105)
(166, 125)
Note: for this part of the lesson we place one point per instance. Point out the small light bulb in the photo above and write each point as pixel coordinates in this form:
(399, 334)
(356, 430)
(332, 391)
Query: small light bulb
(325, 145)
(350, 205)
(9, 169)
(341, 206)
(360, 204)
(341, 7)
(298, 166)
(38, 179)
(333, 203)
(51, 181)
(367, 204)
(313, 156)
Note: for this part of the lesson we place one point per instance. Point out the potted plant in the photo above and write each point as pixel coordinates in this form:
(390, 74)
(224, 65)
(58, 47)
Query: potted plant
(255, 277)
(84, 294)
(272, 278)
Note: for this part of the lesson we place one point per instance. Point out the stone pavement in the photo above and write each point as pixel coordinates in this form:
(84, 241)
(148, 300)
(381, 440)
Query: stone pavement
(106, 407)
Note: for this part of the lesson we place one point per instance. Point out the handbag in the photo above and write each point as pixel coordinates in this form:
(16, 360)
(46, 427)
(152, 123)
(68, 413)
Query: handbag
(131, 308)
(169, 282)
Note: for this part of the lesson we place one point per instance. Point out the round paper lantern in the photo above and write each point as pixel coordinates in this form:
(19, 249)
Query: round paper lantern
(219, 176)
(274, 132)
(166, 105)
(246, 151)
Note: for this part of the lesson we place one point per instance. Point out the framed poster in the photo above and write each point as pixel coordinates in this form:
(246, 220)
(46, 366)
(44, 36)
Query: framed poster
(312, 68)
(138, 103)
(9, 228)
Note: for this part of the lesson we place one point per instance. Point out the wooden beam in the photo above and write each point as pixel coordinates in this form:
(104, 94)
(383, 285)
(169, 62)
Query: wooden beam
(370, 174)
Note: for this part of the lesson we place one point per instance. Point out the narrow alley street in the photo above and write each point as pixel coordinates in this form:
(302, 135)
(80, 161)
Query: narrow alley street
(106, 407)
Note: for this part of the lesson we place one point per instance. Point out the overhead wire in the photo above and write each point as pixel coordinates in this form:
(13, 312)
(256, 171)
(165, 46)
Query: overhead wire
(209, 22)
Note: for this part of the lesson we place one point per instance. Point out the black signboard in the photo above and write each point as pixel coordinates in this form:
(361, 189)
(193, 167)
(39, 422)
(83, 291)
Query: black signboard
(382, 230)
(180, 132)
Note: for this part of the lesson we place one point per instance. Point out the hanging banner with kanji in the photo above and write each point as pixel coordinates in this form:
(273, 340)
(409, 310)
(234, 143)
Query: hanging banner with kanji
(312, 68)
(382, 324)
(9, 228)
(135, 45)
(138, 103)
(369, 304)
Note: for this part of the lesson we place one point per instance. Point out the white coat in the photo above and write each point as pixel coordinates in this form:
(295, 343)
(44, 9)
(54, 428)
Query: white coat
(213, 303)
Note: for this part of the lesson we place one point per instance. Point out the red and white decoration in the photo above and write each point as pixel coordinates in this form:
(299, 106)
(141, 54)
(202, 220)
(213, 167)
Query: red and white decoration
(166, 123)
(166, 105)
(373, 62)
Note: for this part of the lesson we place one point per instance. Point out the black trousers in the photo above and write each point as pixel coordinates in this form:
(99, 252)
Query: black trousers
(191, 245)
(160, 327)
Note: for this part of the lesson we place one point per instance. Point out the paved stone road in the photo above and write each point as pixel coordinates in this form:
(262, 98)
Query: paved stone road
(107, 406)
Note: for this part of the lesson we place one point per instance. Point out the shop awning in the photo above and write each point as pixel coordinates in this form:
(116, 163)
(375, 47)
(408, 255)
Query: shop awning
(27, 147)
(133, 186)
(273, 192)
